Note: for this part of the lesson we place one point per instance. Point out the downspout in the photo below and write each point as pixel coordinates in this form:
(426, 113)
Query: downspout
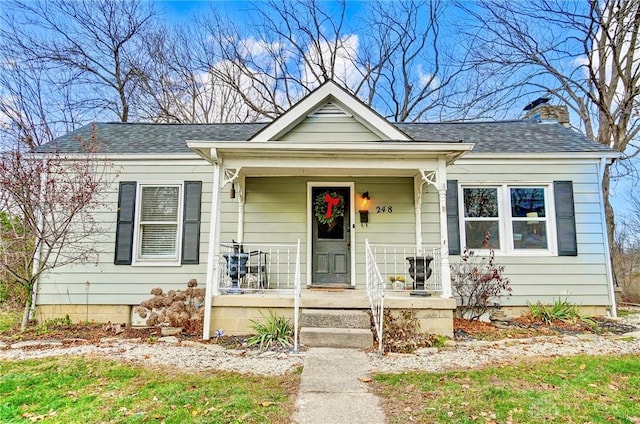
(607, 252)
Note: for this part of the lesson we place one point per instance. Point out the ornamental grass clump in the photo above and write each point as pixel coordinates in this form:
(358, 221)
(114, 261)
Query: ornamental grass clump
(561, 310)
(273, 330)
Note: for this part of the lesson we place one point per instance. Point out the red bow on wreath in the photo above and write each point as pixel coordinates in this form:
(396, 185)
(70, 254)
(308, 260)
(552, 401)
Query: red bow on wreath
(331, 202)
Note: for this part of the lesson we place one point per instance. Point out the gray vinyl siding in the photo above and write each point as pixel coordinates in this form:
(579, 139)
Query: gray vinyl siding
(329, 129)
(106, 283)
(581, 279)
(276, 210)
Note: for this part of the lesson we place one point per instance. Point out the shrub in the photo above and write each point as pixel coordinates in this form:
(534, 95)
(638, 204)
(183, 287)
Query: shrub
(274, 330)
(478, 284)
(402, 334)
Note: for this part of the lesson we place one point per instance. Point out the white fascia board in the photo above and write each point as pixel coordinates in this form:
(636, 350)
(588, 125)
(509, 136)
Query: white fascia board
(414, 147)
(120, 156)
(329, 91)
(471, 156)
(325, 162)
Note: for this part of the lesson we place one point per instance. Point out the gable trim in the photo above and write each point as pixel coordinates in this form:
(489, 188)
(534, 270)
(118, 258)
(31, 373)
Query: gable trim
(330, 92)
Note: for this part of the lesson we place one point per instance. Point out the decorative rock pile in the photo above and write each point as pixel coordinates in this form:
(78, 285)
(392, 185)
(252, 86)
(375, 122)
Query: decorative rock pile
(499, 319)
(176, 308)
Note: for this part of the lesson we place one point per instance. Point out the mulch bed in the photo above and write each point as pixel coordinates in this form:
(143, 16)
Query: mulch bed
(526, 326)
(521, 327)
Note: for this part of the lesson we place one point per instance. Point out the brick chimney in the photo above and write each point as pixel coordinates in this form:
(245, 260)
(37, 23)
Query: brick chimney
(541, 112)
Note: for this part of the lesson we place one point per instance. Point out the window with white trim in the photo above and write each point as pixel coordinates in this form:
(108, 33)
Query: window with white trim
(158, 225)
(508, 218)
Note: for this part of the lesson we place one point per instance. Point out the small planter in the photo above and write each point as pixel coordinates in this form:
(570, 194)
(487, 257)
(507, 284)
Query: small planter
(419, 271)
(236, 268)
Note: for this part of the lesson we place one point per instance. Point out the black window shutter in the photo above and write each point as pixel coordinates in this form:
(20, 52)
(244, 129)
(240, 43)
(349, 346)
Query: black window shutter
(191, 222)
(565, 218)
(125, 222)
(453, 220)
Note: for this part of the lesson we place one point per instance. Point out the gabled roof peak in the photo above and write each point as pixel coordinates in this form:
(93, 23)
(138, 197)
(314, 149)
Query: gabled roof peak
(331, 97)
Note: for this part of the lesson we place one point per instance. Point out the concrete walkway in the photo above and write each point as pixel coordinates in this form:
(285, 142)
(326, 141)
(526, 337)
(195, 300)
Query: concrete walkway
(331, 392)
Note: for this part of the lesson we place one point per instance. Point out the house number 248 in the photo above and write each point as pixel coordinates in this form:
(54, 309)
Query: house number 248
(384, 209)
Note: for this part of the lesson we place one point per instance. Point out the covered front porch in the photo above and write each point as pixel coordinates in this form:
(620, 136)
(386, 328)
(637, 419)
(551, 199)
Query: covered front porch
(323, 207)
(265, 255)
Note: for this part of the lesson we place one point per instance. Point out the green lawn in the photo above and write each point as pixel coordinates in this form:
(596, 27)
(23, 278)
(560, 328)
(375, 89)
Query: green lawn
(9, 319)
(583, 389)
(83, 390)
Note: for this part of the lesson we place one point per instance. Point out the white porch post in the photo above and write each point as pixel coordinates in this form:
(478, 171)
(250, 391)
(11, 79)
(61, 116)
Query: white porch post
(240, 193)
(213, 253)
(418, 183)
(445, 271)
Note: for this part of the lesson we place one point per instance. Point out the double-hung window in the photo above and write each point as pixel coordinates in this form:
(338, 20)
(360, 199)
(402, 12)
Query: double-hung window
(158, 229)
(507, 218)
(158, 224)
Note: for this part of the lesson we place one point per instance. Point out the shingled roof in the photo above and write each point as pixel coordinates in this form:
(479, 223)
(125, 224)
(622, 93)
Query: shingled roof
(488, 137)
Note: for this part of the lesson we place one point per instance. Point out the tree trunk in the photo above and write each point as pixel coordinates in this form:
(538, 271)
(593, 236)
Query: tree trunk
(27, 305)
(25, 314)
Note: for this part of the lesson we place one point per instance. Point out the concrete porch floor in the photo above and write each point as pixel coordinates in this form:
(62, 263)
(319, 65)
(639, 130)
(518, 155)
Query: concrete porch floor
(235, 313)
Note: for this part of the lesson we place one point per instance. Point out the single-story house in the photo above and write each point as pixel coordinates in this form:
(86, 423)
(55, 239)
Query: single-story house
(334, 199)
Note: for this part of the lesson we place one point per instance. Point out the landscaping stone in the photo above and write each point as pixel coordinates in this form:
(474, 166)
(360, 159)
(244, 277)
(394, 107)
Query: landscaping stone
(170, 331)
(634, 334)
(426, 351)
(169, 339)
(36, 343)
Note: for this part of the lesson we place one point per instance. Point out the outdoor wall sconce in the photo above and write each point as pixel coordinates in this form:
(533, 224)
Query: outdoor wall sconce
(364, 212)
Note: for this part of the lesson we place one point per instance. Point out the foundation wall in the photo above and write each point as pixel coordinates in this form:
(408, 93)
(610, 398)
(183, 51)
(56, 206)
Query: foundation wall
(120, 314)
(235, 316)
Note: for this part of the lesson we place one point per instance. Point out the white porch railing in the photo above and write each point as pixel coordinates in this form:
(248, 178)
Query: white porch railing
(394, 266)
(375, 284)
(268, 267)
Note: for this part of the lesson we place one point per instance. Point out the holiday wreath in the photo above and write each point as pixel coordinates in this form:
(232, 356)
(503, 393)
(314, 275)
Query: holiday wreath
(328, 207)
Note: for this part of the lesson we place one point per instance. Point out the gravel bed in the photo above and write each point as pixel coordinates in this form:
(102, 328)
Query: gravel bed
(190, 355)
(476, 354)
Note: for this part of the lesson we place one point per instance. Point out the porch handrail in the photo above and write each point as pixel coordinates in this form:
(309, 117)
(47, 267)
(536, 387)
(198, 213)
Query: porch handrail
(375, 285)
(296, 299)
(269, 266)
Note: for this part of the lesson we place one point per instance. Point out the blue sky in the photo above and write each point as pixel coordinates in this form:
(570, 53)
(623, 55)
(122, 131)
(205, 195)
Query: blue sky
(181, 11)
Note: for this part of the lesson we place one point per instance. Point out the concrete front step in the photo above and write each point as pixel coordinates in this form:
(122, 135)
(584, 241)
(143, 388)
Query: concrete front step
(335, 318)
(336, 337)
